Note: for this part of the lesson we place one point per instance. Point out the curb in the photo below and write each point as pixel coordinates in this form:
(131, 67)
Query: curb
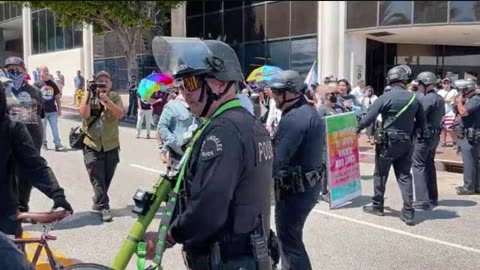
(440, 164)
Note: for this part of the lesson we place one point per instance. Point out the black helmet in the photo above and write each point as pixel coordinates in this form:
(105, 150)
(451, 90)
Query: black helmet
(465, 85)
(14, 60)
(288, 80)
(427, 78)
(399, 74)
(224, 62)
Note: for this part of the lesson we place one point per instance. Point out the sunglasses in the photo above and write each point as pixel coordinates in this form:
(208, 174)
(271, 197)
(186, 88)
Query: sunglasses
(191, 83)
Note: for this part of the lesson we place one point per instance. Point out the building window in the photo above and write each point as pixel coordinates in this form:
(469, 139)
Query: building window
(232, 4)
(361, 14)
(395, 12)
(49, 36)
(304, 17)
(303, 55)
(464, 11)
(233, 26)
(278, 19)
(194, 8)
(255, 23)
(278, 54)
(430, 11)
(212, 6)
(254, 56)
(213, 26)
(195, 27)
(1, 12)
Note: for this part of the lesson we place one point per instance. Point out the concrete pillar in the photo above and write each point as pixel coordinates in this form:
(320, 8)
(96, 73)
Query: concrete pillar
(341, 21)
(330, 35)
(27, 34)
(319, 41)
(87, 52)
(179, 21)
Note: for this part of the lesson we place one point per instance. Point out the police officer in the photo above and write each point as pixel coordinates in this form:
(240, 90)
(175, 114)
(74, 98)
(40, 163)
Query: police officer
(401, 112)
(426, 142)
(298, 143)
(226, 198)
(467, 105)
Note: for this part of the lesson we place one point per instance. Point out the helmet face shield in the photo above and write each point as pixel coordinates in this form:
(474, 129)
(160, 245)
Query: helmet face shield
(181, 57)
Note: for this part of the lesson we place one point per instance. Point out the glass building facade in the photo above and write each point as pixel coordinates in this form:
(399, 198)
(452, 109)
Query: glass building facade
(278, 33)
(9, 11)
(48, 36)
(457, 62)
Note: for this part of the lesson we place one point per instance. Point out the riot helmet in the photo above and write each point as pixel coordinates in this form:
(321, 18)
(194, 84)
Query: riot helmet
(427, 78)
(190, 61)
(465, 85)
(399, 74)
(287, 81)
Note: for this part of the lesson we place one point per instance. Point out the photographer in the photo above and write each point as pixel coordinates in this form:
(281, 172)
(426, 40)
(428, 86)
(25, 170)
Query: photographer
(102, 108)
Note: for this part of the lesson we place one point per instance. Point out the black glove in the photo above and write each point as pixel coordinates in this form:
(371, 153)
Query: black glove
(60, 201)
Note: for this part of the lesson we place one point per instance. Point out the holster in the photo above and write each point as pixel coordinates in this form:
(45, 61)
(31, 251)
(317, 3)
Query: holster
(380, 136)
(472, 135)
(293, 181)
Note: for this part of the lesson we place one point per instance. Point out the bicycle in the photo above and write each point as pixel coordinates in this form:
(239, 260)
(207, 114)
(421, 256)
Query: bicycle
(48, 220)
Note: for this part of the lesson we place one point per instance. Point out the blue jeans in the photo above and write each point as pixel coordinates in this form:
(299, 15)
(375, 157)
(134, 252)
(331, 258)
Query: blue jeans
(52, 118)
(290, 216)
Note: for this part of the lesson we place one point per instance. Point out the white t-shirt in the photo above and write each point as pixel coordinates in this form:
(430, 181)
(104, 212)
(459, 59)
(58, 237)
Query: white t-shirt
(358, 93)
(448, 95)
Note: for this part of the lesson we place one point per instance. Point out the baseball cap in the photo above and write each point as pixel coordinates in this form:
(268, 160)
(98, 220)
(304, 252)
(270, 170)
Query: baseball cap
(14, 60)
(447, 79)
(103, 73)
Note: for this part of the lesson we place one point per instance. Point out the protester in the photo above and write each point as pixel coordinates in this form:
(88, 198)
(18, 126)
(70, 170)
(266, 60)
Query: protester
(101, 108)
(359, 91)
(145, 113)
(53, 107)
(59, 80)
(79, 82)
(448, 93)
(158, 100)
(347, 100)
(274, 114)
(367, 101)
(24, 105)
(133, 96)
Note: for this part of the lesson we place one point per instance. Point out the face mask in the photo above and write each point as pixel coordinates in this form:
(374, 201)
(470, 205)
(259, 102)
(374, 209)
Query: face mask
(333, 99)
(17, 79)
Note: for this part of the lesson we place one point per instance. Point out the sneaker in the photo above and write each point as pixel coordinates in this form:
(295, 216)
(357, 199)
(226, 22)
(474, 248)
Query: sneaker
(408, 220)
(374, 210)
(106, 216)
(45, 147)
(60, 148)
(463, 191)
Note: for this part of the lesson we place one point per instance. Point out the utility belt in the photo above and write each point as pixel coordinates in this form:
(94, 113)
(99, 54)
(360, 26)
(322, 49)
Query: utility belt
(236, 251)
(293, 181)
(388, 137)
(427, 134)
(471, 134)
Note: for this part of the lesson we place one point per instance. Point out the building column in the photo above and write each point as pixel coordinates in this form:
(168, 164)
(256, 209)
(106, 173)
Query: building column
(179, 21)
(27, 34)
(87, 52)
(330, 35)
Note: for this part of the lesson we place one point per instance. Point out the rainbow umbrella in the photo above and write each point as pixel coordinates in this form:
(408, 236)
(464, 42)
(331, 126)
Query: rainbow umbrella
(264, 74)
(153, 83)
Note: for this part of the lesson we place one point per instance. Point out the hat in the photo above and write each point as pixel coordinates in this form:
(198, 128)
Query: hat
(14, 60)
(447, 79)
(103, 73)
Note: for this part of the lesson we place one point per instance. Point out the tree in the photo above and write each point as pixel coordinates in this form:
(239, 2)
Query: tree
(127, 19)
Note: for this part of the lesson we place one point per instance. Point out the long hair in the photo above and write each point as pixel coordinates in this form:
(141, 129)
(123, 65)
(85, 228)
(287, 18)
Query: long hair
(349, 87)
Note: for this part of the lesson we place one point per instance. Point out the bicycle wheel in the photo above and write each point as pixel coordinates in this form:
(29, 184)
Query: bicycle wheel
(87, 266)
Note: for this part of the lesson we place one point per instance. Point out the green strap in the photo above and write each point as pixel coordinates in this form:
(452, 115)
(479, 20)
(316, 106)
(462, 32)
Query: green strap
(141, 253)
(393, 119)
(226, 106)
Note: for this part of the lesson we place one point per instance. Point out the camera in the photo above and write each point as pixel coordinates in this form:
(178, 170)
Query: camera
(94, 85)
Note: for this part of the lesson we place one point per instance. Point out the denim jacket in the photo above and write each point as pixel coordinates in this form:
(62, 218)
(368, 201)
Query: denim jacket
(174, 122)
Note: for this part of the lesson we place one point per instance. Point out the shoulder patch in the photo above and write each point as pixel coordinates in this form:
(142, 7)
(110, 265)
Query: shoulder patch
(212, 147)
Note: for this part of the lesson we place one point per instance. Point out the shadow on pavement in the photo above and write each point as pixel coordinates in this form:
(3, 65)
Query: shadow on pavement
(421, 216)
(127, 212)
(357, 202)
(457, 203)
(78, 220)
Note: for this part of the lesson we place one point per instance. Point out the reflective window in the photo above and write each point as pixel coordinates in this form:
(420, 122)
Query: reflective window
(212, 6)
(395, 12)
(42, 31)
(278, 54)
(1, 12)
(304, 53)
(255, 23)
(35, 33)
(240, 51)
(6, 11)
(77, 36)
(278, 19)
(361, 14)
(194, 8)
(213, 26)
(430, 11)
(254, 56)
(98, 47)
(68, 37)
(195, 27)
(50, 31)
(232, 4)
(233, 21)
(464, 11)
(109, 44)
(461, 56)
(304, 17)
(416, 54)
(59, 38)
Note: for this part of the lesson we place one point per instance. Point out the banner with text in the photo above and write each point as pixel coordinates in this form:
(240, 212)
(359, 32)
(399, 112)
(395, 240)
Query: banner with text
(343, 168)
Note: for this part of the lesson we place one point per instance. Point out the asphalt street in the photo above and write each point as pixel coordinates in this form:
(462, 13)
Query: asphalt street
(445, 238)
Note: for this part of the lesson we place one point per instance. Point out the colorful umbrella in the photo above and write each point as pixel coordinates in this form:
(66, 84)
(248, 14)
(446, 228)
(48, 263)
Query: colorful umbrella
(153, 83)
(264, 74)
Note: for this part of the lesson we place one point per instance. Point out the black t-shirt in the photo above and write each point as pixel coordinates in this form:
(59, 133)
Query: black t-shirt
(144, 104)
(49, 90)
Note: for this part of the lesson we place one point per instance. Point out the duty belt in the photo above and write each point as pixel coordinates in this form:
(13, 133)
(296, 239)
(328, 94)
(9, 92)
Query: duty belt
(294, 181)
(428, 133)
(390, 137)
(471, 134)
